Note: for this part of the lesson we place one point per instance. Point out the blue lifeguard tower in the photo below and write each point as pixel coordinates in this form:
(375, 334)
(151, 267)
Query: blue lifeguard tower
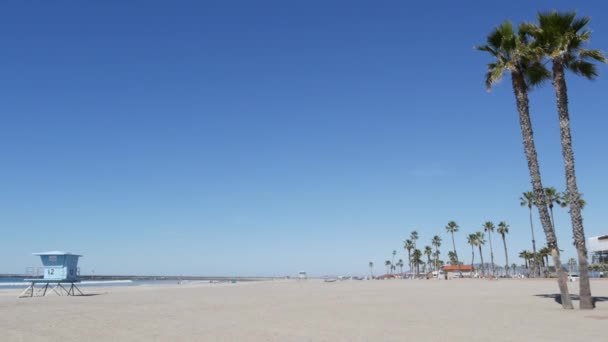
(59, 268)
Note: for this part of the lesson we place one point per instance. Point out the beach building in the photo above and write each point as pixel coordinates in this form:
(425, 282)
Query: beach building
(59, 268)
(455, 271)
(598, 247)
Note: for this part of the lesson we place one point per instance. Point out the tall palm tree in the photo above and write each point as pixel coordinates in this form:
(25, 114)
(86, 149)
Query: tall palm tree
(408, 245)
(452, 228)
(417, 259)
(436, 242)
(400, 265)
(513, 53)
(453, 258)
(565, 201)
(371, 269)
(528, 200)
(414, 237)
(553, 197)
(526, 255)
(427, 251)
(503, 230)
(543, 253)
(563, 38)
(480, 241)
(472, 240)
(387, 263)
(438, 263)
(488, 227)
(394, 254)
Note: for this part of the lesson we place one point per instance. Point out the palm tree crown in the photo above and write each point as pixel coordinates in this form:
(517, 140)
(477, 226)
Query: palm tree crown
(562, 37)
(527, 199)
(512, 52)
(503, 228)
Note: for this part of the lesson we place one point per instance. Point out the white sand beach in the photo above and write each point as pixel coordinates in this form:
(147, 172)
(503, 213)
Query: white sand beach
(290, 310)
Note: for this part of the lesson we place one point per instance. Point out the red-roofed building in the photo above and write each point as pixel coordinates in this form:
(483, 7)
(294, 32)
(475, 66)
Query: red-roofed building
(451, 270)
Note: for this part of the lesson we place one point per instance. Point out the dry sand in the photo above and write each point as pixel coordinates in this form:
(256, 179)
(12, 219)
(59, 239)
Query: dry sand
(391, 310)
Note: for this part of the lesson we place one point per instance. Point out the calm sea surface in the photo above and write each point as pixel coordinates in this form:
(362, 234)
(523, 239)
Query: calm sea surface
(19, 282)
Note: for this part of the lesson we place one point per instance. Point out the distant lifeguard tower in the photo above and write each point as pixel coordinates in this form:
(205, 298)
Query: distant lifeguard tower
(59, 268)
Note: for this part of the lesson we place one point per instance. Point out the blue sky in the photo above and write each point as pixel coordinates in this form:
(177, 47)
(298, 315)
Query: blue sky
(264, 138)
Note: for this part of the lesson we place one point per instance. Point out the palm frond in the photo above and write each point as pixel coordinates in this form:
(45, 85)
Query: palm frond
(584, 69)
(578, 23)
(597, 55)
(494, 74)
(536, 74)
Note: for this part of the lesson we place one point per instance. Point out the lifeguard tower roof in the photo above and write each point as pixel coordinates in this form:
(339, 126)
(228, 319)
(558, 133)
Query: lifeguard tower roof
(56, 253)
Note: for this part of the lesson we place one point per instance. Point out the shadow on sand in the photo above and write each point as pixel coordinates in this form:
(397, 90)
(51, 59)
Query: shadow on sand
(558, 298)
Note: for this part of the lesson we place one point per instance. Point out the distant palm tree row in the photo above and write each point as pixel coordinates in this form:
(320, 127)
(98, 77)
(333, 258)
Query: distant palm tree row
(535, 262)
(558, 40)
(553, 197)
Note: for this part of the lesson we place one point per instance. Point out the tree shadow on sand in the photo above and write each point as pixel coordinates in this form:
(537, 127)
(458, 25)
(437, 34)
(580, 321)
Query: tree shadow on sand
(558, 298)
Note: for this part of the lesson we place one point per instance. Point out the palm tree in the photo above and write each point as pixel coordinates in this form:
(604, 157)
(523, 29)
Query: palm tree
(527, 199)
(480, 241)
(526, 255)
(371, 269)
(427, 251)
(438, 263)
(543, 253)
(417, 259)
(414, 237)
(503, 230)
(436, 242)
(452, 228)
(394, 254)
(453, 258)
(408, 245)
(565, 201)
(387, 263)
(553, 197)
(400, 265)
(472, 240)
(513, 53)
(563, 37)
(488, 227)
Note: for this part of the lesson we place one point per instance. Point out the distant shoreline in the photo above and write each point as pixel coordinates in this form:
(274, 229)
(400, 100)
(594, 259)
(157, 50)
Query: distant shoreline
(138, 277)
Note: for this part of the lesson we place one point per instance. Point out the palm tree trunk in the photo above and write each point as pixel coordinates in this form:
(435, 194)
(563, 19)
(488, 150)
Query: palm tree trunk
(521, 96)
(437, 261)
(456, 254)
(491, 252)
(483, 272)
(533, 241)
(576, 217)
(409, 260)
(504, 243)
(552, 218)
(472, 259)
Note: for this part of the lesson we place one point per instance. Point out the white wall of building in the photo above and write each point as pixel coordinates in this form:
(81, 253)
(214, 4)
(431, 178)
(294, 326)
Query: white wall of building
(598, 243)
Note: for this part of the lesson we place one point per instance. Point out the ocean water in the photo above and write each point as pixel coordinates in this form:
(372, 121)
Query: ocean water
(6, 283)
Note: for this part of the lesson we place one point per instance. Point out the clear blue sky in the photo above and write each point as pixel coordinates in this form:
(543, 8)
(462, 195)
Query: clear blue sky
(264, 138)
